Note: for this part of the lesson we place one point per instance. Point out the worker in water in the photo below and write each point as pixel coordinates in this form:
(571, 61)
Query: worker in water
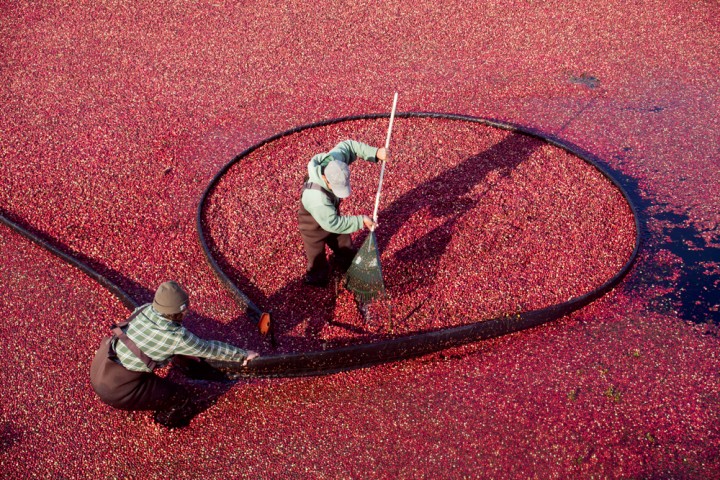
(319, 218)
(122, 370)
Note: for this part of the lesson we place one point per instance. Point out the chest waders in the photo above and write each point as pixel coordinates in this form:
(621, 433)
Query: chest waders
(119, 333)
(127, 389)
(315, 239)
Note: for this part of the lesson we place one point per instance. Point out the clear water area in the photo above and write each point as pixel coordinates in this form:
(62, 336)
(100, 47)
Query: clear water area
(689, 282)
(696, 295)
(476, 223)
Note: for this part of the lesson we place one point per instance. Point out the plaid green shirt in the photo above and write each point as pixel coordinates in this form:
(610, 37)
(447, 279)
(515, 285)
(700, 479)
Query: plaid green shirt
(160, 339)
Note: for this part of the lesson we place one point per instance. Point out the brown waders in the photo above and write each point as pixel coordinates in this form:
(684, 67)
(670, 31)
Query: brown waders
(130, 390)
(315, 239)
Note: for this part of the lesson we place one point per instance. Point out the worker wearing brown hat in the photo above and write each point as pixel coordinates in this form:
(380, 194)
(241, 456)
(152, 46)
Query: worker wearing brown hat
(319, 218)
(121, 372)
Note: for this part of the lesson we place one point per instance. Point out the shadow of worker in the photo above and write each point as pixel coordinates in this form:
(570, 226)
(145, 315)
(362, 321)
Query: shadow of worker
(201, 386)
(447, 197)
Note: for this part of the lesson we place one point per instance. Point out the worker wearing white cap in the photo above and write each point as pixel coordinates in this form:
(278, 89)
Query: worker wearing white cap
(319, 218)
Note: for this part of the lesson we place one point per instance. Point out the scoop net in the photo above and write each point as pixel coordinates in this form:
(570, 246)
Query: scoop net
(364, 277)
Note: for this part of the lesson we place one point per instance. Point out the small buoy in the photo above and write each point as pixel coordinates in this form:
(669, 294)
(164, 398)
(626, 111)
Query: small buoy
(264, 324)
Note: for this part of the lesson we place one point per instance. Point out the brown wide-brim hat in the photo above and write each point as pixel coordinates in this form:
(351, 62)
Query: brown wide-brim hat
(170, 298)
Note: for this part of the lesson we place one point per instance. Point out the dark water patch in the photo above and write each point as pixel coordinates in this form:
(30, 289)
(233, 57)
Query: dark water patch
(693, 294)
(653, 109)
(585, 79)
(696, 290)
(9, 436)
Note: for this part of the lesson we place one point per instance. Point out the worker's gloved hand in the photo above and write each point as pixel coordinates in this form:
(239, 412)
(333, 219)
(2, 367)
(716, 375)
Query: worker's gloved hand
(250, 356)
(369, 223)
(382, 154)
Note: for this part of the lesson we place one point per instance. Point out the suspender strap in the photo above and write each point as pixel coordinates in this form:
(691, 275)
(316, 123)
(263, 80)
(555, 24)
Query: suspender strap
(315, 186)
(132, 346)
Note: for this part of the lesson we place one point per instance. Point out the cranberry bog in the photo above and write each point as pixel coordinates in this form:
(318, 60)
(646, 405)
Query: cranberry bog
(117, 119)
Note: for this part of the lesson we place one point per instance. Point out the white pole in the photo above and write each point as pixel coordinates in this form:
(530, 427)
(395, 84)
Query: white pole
(382, 168)
(392, 118)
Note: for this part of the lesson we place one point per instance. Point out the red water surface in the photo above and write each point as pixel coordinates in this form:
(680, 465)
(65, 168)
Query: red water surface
(116, 116)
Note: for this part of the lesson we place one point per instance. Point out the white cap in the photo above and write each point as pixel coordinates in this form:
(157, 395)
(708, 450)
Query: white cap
(338, 177)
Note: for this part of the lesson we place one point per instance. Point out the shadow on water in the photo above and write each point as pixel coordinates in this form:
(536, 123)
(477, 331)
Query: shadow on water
(446, 198)
(694, 294)
(9, 436)
(129, 293)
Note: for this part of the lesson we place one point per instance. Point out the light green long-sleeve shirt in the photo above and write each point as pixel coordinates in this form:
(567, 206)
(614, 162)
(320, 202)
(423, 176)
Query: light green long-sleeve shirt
(317, 203)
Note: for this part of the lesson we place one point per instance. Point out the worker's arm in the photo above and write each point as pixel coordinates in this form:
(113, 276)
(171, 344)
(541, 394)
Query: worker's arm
(194, 346)
(349, 150)
(322, 210)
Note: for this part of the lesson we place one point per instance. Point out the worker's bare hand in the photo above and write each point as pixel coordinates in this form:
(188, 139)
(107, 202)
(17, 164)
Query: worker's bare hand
(250, 356)
(369, 223)
(382, 154)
